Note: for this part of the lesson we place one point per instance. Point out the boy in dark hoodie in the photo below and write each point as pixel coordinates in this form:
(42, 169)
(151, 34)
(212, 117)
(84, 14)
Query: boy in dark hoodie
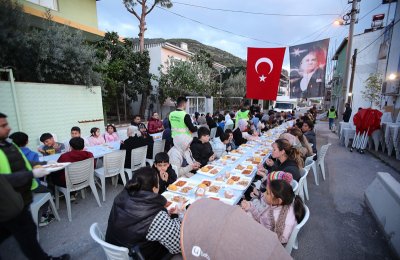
(201, 147)
(166, 175)
(308, 130)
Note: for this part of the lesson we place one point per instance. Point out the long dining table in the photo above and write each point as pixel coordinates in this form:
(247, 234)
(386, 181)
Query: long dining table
(227, 178)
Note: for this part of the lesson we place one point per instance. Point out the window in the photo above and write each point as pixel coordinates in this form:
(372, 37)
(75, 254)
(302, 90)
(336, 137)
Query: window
(51, 4)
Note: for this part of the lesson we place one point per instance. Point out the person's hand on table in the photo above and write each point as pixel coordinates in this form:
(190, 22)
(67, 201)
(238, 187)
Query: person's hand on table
(245, 205)
(196, 165)
(39, 172)
(269, 162)
(212, 158)
(164, 176)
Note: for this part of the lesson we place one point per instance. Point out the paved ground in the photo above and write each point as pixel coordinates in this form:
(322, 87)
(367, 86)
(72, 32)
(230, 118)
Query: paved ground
(340, 226)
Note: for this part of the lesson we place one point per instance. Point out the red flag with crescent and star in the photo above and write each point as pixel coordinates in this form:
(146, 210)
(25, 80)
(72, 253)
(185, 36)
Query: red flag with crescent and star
(264, 66)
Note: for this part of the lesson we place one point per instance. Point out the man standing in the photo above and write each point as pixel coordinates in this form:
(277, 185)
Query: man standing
(347, 113)
(332, 114)
(180, 121)
(243, 113)
(18, 172)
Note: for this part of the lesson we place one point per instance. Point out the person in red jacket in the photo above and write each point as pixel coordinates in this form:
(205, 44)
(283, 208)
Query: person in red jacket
(75, 155)
(155, 125)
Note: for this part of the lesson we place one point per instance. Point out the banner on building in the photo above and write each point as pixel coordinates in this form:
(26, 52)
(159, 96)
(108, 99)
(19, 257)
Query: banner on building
(307, 69)
(264, 66)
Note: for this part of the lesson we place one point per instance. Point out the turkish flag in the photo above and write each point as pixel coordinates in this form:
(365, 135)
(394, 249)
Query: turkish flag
(264, 66)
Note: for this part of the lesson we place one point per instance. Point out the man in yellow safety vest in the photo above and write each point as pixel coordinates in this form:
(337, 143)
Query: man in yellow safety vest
(243, 113)
(332, 114)
(180, 121)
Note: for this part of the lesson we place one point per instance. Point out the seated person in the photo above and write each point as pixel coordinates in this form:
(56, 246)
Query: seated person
(166, 175)
(219, 145)
(111, 134)
(134, 140)
(76, 154)
(145, 134)
(50, 145)
(238, 132)
(231, 144)
(306, 149)
(282, 212)
(139, 218)
(75, 132)
(201, 147)
(287, 159)
(21, 139)
(155, 124)
(181, 157)
(95, 137)
(308, 130)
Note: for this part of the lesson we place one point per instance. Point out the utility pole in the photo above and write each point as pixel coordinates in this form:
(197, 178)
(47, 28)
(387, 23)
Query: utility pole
(353, 70)
(353, 13)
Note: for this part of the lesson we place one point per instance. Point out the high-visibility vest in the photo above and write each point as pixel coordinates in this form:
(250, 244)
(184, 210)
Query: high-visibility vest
(178, 126)
(5, 167)
(241, 115)
(332, 114)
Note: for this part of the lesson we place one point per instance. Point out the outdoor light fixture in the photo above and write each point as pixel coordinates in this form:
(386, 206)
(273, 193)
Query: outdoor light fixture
(392, 76)
(338, 21)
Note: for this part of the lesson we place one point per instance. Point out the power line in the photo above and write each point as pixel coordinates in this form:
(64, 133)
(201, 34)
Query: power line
(366, 47)
(369, 12)
(248, 12)
(219, 29)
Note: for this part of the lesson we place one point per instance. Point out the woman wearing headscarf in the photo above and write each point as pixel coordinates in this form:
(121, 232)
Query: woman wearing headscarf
(181, 157)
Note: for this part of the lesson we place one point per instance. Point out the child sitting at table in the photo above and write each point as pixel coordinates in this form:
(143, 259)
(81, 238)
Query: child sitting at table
(95, 137)
(111, 134)
(219, 145)
(201, 147)
(21, 139)
(166, 175)
(75, 132)
(75, 155)
(282, 212)
(50, 145)
(231, 144)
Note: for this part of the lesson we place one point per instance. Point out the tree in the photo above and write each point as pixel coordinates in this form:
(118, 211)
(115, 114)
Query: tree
(141, 16)
(125, 73)
(235, 85)
(373, 89)
(181, 78)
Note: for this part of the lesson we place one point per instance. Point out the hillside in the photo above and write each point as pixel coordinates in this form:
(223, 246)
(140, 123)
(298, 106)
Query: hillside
(218, 55)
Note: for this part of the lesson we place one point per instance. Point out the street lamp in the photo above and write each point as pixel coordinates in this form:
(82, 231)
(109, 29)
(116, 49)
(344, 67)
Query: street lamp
(392, 76)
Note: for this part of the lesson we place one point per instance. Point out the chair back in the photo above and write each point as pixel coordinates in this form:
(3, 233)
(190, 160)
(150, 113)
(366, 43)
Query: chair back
(295, 185)
(112, 252)
(230, 126)
(158, 147)
(213, 132)
(300, 189)
(323, 151)
(114, 163)
(292, 242)
(308, 163)
(138, 158)
(79, 174)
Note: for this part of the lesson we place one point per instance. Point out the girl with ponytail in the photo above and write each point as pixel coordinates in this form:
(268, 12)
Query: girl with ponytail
(288, 159)
(283, 210)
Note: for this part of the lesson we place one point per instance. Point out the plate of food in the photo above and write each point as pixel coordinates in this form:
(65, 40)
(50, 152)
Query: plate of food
(210, 170)
(238, 182)
(182, 186)
(174, 200)
(246, 170)
(237, 152)
(230, 157)
(253, 160)
(55, 166)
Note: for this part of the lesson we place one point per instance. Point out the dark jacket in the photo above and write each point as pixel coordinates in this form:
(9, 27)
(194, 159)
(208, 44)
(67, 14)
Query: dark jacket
(347, 114)
(238, 137)
(287, 166)
(201, 152)
(310, 135)
(133, 142)
(130, 219)
(162, 185)
(154, 125)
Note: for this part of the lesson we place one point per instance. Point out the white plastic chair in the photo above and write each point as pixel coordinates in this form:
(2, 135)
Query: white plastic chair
(39, 199)
(138, 160)
(78, 175)
(112, 252)
(213, 132)
(295, 185)
(158, 147)
(293, 241)
(113, 165)
(303, 189)
(230, 126)
(321, 158)
(310, 164)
